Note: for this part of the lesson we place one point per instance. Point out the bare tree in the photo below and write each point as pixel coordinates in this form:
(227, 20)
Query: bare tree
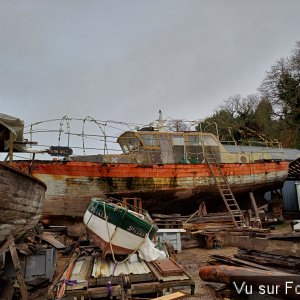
(177, 125)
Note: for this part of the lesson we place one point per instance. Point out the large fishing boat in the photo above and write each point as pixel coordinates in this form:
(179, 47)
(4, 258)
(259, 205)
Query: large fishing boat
(172, 172)
(22, 196)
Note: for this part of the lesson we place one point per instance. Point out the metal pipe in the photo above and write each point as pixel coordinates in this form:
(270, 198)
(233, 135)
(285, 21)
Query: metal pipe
(255, 280)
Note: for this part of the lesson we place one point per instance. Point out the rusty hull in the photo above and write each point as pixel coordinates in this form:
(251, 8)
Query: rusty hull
(164, 188)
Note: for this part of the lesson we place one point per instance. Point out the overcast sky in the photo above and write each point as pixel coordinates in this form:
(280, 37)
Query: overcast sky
(125, 60)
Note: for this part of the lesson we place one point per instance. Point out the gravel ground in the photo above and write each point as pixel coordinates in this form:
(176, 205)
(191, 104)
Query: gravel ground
(194, 258)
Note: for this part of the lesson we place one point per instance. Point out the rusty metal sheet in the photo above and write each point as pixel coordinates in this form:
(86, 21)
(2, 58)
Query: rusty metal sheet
(168, 267)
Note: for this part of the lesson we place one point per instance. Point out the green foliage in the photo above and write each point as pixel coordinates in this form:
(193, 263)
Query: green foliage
(281, 87)
(273, 115)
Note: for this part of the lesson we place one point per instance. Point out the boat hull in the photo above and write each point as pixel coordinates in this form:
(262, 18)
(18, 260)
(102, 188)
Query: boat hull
(115, 229)
(160, 186)
(22, 199)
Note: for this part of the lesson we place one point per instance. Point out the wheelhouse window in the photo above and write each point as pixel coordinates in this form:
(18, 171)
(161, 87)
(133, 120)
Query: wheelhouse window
(178, 140)
(149, 140)
(130, 144)
(178, 148)
(193, 140)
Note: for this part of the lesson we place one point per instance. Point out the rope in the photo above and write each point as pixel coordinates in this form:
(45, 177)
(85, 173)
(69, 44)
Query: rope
(111, 237)
(109, 285)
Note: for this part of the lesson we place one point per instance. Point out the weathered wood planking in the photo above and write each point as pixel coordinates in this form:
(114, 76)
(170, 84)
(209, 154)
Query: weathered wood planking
(21, 201)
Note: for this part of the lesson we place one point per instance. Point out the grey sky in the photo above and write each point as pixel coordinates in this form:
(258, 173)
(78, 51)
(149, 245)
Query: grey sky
(123, 60)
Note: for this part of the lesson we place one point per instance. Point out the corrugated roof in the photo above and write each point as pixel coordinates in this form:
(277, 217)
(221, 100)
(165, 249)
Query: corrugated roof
(276, 153)
(104, 268)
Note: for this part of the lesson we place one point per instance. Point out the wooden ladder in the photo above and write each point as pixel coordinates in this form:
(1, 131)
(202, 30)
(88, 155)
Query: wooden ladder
(224, 189)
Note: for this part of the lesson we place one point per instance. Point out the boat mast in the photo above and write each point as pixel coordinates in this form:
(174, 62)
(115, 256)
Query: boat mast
(160, 122)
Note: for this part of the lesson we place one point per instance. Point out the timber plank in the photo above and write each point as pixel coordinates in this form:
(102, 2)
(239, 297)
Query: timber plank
(278, 247)
(49, 238)
(176, 295)
(17, 266)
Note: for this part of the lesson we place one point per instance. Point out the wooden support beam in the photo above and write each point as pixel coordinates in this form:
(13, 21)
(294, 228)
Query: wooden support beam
(256, 211)
(17, 266)
(176, 295)
(11, 147)
(253, 202)
(6, 244)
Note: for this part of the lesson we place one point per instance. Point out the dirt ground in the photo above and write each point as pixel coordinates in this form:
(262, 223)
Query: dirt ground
(194, 258)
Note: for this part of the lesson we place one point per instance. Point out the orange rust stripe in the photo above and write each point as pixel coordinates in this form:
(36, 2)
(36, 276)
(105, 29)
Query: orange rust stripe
(155, 171)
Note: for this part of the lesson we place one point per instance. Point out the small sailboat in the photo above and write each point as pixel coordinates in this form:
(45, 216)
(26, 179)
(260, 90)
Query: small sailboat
(117, 228)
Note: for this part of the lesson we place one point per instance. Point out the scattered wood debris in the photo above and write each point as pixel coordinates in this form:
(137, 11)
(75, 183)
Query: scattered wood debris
(211, 221)
(260, 263)
(269, 259)
(168, 221)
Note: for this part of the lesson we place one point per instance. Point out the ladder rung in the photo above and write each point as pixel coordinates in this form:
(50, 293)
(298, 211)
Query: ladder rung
(224, 189)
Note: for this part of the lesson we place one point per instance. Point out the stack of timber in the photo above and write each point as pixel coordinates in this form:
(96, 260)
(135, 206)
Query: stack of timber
(168, 221)
(210, 222)
(270, 259)
(270, 244)
(261, 263)
(279, 250)
(245, 281)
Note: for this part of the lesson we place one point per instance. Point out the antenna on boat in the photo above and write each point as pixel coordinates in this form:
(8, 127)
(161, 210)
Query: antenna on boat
(160, 122)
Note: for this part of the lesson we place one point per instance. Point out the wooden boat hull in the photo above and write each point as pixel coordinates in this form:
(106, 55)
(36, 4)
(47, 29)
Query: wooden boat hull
(22, 199)
(115, 229)
(164, 188)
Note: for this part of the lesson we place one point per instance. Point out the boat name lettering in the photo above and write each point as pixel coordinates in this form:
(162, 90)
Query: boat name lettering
(96, 212)
(135, 231)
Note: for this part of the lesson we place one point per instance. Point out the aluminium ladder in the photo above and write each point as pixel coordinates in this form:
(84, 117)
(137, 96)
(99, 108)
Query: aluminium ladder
(224, 189)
